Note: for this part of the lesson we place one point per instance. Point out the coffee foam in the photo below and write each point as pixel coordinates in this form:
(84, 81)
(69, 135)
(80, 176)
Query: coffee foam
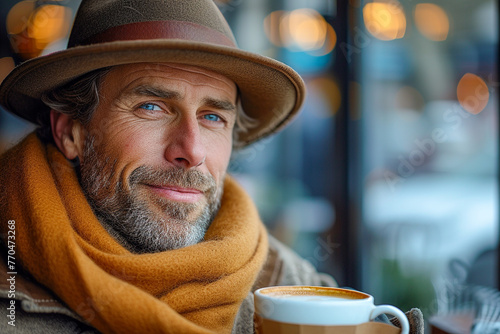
(313, 292)
(313, 298)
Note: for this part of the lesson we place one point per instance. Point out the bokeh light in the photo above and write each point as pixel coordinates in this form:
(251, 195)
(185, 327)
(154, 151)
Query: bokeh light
(472, 93)
(32, 28)
(304, 28)
(49, 23)
(329, 44)
(272, 26)
(328, 90)
(301, 30)
(18, 17)
(385, 20)
(432, 21)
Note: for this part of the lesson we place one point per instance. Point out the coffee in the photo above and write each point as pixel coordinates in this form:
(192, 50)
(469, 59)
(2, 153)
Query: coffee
(319, 306)
(326, 299)
(320, 293)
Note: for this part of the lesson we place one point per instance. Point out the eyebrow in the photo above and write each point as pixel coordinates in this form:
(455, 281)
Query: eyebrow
(148, 90)
(219, 104)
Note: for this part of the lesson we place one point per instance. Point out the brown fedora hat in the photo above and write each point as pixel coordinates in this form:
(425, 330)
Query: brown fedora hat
(194, 32)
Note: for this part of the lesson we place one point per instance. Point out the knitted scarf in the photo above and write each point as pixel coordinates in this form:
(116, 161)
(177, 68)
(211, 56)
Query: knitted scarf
(60, 242)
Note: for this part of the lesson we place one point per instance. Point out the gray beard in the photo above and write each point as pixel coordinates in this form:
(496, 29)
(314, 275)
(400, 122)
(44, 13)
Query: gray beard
(130, 220)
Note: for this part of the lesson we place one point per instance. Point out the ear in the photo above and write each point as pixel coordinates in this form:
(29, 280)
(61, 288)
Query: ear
(68, 134)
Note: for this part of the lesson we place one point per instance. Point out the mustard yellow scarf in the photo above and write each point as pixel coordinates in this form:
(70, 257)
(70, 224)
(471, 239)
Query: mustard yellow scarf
(196, 289)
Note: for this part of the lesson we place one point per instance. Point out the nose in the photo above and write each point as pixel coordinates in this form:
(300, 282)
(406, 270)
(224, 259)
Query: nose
(185, 147)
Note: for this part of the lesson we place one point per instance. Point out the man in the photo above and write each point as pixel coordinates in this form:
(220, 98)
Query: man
(118, 216)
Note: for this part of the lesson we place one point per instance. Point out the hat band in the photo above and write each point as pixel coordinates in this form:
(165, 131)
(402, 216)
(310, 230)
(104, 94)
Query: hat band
(161, 30)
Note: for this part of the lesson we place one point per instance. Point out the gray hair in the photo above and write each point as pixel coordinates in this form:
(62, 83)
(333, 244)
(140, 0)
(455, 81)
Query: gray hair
(80, 98)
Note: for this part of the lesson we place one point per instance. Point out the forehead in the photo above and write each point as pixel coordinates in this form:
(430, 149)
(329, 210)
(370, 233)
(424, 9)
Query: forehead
(129, 73)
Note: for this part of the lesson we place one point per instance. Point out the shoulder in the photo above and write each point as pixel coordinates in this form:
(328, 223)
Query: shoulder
(28, 307)
(285, 267)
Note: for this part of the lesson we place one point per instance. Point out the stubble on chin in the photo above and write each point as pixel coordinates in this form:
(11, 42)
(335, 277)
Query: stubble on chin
(140, 221)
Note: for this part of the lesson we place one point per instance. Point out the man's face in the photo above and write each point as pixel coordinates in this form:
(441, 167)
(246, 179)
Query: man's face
(156, 153)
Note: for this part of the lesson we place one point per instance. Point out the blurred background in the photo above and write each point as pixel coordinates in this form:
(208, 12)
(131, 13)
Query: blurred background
(390, 174)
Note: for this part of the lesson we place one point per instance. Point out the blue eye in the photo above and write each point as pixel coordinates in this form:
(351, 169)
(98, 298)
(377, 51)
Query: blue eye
(212, 117)
(150, 106)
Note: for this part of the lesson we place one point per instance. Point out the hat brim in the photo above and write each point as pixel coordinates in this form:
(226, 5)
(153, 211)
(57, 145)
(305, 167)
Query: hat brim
(271, 92)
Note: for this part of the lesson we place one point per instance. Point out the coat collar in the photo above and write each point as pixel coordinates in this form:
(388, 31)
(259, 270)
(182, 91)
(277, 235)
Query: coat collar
(31, 295)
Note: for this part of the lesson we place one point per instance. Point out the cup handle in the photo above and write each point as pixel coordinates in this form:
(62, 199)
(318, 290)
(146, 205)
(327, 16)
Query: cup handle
(388, 309)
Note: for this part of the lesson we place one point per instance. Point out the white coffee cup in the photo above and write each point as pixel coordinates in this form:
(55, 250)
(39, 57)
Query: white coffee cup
(312, 305)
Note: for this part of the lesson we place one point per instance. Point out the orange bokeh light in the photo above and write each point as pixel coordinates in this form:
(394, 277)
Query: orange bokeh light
(329, 42)
(19, 16)
(49, 23)
(432, 21)
(385, 20)
(327, 89)
(472, 93)
(305, 28)
(300, 30)
(272, 26)
(33, 28)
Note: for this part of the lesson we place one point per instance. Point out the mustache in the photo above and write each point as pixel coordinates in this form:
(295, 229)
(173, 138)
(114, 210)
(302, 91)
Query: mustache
(173, 176)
